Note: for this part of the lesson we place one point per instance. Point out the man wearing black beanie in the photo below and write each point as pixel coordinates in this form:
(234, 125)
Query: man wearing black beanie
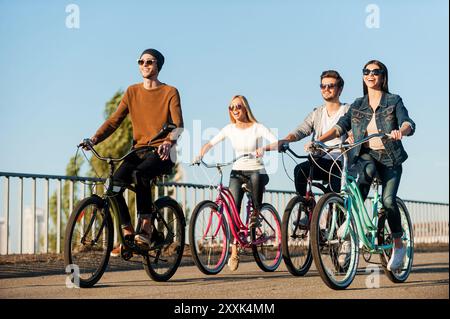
(150, 105)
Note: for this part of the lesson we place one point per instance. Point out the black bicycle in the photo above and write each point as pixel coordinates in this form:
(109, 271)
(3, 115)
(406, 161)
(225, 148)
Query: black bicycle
(90, 231)
(295, 226)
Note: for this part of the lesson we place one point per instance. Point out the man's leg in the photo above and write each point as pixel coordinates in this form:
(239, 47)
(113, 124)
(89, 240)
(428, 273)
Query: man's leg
(151, 167)
(301, 174)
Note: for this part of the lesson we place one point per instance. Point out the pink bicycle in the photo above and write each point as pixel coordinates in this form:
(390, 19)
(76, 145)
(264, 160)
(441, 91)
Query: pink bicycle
(215, 224)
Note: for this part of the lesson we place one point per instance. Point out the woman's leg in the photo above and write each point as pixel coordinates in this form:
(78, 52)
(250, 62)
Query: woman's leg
(364, 170)
(390, 181)
(258, 181)
(236, 190)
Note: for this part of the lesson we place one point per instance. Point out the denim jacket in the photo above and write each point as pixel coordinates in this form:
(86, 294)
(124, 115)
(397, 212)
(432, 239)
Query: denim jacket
(390, 115)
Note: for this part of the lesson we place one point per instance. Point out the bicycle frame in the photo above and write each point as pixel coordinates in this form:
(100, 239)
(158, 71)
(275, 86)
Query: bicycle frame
(355, 209)
(227, 207)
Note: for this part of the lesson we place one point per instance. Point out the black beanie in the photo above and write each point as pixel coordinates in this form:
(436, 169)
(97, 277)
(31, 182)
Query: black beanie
(158, 56)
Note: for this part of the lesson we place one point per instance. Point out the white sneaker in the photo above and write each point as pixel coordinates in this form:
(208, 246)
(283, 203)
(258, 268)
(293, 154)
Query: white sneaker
(233, 262)
(344, 253)
(396, 261)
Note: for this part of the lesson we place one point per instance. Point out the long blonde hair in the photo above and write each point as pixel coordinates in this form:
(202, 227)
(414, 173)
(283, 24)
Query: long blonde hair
(244, 101)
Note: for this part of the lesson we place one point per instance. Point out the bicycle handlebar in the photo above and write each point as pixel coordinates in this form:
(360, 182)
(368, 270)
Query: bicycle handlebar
(167, 128)
(219, 165)
(285, 148)
(88, 143)
(349, 145)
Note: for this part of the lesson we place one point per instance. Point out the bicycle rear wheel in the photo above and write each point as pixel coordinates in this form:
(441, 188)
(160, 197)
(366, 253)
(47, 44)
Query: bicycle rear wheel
(161, 263)
(335, 253)
(88, 241)
(209, 238)
(296, 245)
(266, 239)
(408, 242)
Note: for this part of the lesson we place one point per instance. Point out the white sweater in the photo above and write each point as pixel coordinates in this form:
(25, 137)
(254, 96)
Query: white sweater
(245, 141)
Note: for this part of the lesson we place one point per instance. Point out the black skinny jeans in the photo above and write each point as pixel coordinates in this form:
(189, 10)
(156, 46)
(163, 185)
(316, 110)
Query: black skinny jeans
(139, 169)
(301, 174)
(367, 165)
(257, 180)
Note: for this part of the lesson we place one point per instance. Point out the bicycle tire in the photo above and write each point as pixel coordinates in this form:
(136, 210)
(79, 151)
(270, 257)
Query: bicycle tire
(209, 247)
(296, 248)
(87, 271)
(409, 242)
(162, 263)
(331, 275)
(268, 254)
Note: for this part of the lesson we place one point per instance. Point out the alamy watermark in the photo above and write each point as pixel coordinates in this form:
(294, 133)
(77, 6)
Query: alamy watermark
(373, 278)
(73, 277)
(373, 19)
(73, 17)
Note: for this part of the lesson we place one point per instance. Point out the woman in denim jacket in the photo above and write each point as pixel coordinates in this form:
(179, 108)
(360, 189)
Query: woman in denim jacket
(378, 111)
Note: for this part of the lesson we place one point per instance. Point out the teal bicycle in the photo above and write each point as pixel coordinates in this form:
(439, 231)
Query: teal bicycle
(341, 227)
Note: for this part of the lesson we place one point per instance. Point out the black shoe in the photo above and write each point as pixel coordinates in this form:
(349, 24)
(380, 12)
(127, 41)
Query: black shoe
(144, 239)
(302, 223)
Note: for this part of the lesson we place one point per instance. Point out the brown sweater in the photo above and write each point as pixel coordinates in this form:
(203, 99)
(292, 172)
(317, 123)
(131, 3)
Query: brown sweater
(149, 110)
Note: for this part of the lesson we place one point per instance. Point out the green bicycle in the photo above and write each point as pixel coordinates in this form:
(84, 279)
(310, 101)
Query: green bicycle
(341, 226)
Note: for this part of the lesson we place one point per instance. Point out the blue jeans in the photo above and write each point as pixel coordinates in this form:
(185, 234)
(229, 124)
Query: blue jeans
(367, 165)
(257, 181)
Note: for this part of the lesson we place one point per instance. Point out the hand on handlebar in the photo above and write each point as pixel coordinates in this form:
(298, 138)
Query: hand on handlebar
(164, 150)
(197, 160)
(350, 138)
(309, 147)
(283, 145)
(395, 135)
(259, 152)
(87, 143)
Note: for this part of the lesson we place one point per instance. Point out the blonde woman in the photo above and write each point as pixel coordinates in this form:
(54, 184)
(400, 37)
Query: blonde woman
(246, 135)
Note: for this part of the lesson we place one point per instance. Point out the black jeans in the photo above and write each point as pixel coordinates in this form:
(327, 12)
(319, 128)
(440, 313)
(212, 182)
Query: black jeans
(301, 174)
(367, 165)
(257, 180)
(139, 168)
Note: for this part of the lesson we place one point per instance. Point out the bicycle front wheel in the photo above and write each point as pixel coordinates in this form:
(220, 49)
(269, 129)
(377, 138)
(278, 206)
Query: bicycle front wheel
(209, 238)
(296, 246)
(266, 239)
(408, 242)
(88, 241)
(162, 262)
(334, 242)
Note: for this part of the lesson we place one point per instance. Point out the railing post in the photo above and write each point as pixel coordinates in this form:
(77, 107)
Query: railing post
(46, 213)
(33, 213)
(58, 216)
(20, 214)
(6, 207)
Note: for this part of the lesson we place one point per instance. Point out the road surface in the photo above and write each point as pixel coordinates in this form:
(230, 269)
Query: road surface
(429, 279)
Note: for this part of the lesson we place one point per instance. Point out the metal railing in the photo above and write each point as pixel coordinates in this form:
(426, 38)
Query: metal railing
(35, 209)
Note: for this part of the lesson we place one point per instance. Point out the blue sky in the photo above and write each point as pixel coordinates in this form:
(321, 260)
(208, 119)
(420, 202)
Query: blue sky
(55, 80)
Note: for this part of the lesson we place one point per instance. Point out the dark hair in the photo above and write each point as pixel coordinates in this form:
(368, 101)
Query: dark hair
(384, 85)
(333, 74)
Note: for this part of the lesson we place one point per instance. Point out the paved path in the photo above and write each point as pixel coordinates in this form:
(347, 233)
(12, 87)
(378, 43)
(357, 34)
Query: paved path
(429, 279)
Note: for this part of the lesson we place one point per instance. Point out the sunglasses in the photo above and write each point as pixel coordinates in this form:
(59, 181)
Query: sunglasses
(375, 72)
(235, 107)
(145, 62)
(328, 86)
